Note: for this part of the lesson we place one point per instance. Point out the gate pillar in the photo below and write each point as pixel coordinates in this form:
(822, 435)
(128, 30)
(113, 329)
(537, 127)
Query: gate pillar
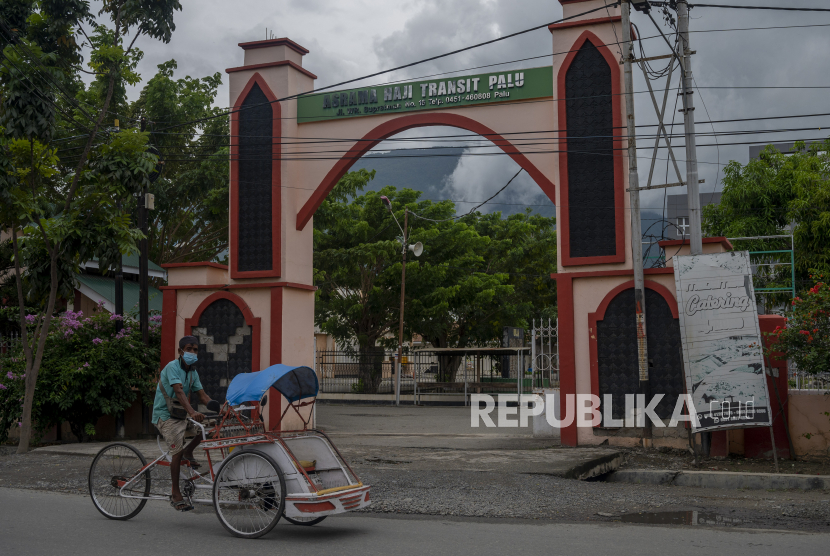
(269, 275)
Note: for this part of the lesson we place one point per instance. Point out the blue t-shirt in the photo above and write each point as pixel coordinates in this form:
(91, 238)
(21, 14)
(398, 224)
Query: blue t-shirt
(170, 375)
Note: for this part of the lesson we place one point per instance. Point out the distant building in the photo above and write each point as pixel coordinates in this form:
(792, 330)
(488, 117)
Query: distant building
(755, 150)
(94, 287)
(677, 213)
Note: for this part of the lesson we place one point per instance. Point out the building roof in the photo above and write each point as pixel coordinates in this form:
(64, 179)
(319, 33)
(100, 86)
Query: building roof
(129, 264)
(102, 288)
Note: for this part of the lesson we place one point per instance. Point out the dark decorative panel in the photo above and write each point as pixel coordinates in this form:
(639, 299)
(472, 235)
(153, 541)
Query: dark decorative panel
(225, 347)
(617, 352)
(256, 119)
(590, 123)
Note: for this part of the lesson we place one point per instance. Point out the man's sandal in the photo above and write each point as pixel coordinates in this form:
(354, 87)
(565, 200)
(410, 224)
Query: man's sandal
(192, 463)
(181, 505)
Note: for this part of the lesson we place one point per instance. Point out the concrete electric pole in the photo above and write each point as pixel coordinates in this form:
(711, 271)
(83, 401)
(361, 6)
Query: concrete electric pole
(692, 184)
(636, 226)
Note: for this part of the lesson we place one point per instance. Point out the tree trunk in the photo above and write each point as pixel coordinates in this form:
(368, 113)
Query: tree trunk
(370, 368)
(33, 369)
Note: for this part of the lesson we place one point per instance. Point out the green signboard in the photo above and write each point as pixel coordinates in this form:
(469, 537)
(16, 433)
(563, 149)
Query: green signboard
(415, 96)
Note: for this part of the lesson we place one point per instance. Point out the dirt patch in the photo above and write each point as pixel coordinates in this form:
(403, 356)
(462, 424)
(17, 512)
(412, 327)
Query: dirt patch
(677, 459)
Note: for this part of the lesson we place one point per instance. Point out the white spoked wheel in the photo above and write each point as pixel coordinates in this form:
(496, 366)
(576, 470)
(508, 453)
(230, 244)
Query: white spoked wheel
(249, 493)
(115, 486)
(307, 521)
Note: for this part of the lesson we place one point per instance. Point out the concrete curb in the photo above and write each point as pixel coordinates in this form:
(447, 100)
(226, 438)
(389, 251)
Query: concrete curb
(721, 479)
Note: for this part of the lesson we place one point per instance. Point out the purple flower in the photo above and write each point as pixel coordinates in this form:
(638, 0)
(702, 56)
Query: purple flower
(9, 374)
(116, 317)
(97, 341)
(3, 387)
(86, 364)
(30, 318)
(19, 424)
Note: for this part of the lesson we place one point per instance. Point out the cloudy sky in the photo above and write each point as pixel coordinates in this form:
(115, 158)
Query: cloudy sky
(350, 38)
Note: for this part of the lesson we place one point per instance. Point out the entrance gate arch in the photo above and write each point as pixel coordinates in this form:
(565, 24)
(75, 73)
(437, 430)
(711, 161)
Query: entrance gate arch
(564, 129)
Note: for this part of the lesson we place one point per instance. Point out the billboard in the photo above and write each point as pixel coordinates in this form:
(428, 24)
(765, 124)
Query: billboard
(722, 350)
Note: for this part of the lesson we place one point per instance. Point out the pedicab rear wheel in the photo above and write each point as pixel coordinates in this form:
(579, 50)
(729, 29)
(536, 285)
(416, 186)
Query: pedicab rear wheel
(116, 465)
(249, 493)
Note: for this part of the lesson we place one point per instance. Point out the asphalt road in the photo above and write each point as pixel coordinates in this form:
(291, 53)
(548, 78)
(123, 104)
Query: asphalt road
(33, 522)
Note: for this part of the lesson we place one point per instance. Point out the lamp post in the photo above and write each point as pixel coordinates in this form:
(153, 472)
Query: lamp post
(416, 249)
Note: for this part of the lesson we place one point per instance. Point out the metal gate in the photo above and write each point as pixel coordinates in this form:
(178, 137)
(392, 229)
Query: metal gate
(544, 354)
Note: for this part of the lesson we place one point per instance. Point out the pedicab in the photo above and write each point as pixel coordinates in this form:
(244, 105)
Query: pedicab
(254, 476)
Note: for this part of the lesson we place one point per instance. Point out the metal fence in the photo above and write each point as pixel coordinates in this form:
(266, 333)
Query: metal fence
(8, 345)
(800, 380)
(374, 372)
(345, 372)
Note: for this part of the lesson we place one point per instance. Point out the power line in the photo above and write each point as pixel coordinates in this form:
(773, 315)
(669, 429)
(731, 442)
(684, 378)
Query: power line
(409, 65)
(733, 7)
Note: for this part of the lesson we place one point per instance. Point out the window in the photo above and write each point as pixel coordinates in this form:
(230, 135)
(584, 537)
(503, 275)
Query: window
(682, 227)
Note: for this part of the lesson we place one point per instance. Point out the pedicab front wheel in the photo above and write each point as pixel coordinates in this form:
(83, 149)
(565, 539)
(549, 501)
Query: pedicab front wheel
(249, 493)
(117, 485)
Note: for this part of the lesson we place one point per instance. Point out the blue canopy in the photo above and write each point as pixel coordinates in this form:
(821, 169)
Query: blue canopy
(295, 383)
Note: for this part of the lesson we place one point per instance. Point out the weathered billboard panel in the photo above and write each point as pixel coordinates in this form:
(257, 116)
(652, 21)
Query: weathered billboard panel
(721, 340)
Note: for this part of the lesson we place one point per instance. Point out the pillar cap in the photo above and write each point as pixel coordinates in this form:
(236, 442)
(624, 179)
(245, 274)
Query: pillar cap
(274, 42)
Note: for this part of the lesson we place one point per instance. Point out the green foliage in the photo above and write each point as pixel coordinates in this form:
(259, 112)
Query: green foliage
(27, 109)
(12, 388)
(477, 274)
(62, 201)
(190, 222)
(88, 371)
(768, 195)
(805, 339)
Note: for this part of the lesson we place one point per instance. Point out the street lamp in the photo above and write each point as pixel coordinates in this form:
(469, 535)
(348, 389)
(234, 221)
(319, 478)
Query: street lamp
(416, 249)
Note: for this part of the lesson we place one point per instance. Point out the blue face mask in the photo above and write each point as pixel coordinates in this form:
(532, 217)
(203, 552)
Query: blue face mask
(190, 358)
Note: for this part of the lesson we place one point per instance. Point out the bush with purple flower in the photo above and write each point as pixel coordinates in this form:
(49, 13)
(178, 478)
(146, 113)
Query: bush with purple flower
(88, 371)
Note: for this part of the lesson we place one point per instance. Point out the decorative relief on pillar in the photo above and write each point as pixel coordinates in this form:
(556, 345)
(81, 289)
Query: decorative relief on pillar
(590, 157)
(225, 346)
(256, 120)
(618, 373)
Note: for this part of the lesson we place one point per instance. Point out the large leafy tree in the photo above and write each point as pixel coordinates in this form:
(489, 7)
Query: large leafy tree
(776, 194)
(61, 173)
(190, 221)
(478, 273)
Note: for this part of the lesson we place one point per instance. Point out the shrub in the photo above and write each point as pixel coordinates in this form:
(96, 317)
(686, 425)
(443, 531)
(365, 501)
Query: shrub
(805, 339)
(88, 371)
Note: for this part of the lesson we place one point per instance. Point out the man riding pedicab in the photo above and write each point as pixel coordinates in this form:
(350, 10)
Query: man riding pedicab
(178, 380)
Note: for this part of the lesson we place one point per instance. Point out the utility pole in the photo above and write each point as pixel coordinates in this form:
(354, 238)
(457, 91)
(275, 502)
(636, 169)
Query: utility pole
(636, 225)
(119, 287)
(693, 188)
(119, 274)
(400, 325)
(143, 266)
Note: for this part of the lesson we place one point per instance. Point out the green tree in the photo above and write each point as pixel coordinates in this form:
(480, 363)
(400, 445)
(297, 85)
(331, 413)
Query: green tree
(478, 273)
(771, 195)
(61, 200)
(190, 221)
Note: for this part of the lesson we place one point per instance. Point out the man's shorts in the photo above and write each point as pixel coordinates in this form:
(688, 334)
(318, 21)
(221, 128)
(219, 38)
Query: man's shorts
(174, 432)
